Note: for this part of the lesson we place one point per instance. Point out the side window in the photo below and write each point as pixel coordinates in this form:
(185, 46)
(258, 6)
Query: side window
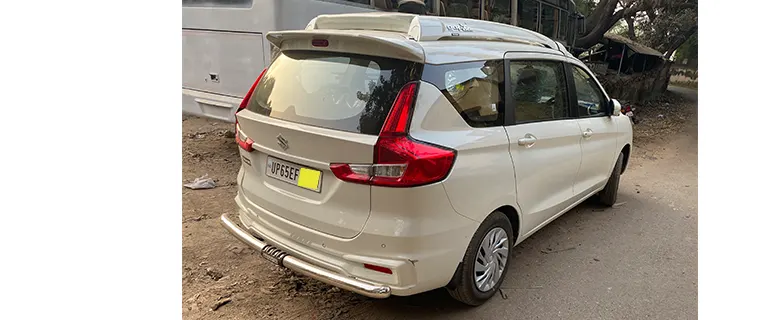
(393, 5)
(539, 90)
(475, 89)
(590, 97)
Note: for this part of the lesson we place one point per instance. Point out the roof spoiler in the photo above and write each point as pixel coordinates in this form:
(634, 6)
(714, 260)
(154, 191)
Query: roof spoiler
(367, 43)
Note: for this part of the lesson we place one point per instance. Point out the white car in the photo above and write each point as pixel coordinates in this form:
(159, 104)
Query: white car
(393, 154)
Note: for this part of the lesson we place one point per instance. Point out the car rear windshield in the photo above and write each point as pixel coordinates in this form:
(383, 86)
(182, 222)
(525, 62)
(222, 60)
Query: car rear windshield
(338, 91)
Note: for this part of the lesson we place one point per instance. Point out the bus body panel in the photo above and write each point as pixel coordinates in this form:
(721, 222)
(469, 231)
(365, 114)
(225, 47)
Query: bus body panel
(221, 62)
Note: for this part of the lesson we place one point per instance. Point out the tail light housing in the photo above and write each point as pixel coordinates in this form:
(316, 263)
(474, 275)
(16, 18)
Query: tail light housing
(399, 160)
(242, 140)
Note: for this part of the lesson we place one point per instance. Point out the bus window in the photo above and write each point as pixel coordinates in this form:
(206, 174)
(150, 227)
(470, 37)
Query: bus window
(563, 23)
(461, 8)
(498, 11)
(528, 14)
(393, 5)
(549, 20)
(383, 4)
(218, 3)
(554, 20)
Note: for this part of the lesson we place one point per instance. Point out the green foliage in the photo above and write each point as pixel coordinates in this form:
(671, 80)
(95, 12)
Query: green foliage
(661, 24)
(585, 7)
(669, 25)
(620, 28)
(688, 50)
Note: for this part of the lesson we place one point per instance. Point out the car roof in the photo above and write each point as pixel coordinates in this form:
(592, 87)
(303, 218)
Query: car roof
(442, 39)
(443, 52)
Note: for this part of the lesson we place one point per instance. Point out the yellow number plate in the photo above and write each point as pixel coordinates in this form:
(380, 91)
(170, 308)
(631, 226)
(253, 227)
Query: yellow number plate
(309, 179)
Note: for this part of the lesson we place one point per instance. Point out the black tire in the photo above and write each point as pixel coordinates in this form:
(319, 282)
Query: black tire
(462, 286)
(608, 195)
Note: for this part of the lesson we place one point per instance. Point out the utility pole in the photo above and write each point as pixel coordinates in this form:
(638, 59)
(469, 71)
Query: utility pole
(514, 12)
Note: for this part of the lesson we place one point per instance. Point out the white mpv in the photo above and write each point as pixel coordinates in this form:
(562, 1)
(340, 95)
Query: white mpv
(393, 154)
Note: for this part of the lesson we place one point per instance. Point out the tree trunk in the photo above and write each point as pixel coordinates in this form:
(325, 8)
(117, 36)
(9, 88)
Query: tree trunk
(599, 12)
(660, 84)
(603, 11)
(597, 33)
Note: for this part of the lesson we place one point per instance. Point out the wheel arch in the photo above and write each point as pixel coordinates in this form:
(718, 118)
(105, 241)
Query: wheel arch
(626, 155)
(511, 213)
(514, 218)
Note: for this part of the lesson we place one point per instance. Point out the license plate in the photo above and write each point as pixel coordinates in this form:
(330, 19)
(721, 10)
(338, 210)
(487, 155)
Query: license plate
(294, 174)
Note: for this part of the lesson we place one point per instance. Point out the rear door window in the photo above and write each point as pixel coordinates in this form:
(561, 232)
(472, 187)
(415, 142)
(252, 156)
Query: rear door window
(346, 92)
(539, 90)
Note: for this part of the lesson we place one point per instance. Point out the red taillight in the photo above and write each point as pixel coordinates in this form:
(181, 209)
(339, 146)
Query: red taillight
(378, 268)
(399, 161)
(403, 162)
(397, 122)
(245, 142)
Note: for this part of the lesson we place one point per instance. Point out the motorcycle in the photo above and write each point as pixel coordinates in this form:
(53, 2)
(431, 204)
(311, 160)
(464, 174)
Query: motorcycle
(628, 111)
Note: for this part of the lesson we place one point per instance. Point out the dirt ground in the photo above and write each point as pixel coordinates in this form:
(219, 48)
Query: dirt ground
(222, 279)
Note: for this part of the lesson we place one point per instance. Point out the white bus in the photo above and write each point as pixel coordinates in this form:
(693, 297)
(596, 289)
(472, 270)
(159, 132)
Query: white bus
(224, 49)
(224, 46)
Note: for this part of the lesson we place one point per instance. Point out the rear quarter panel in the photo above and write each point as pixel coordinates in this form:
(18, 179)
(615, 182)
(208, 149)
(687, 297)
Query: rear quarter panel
(482, 178)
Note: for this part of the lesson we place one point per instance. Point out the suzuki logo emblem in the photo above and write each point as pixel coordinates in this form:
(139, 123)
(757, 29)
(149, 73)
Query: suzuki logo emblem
(282, 142)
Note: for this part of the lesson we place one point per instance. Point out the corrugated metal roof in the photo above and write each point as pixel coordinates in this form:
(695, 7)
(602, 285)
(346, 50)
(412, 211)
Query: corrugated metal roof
(635, 46)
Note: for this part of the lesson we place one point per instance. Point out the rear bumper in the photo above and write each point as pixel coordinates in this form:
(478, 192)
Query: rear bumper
(273, 254)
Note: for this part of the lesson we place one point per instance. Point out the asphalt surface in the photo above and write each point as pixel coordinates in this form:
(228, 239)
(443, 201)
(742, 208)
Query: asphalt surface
(637, 260)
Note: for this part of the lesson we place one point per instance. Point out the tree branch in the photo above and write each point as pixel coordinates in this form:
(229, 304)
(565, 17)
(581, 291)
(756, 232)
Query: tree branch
(602, 12)
(631, 30)
(596, 14)
(608, 12)
(679, 41)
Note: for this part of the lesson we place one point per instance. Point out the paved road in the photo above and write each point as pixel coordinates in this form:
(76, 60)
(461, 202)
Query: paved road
(635, 261)
(689, 93)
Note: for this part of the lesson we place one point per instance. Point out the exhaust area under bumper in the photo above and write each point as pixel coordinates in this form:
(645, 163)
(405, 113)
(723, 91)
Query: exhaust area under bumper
(281, 258)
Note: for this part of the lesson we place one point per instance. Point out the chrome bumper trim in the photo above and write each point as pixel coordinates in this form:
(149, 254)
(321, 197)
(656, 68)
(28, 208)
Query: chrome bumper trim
(273, 254)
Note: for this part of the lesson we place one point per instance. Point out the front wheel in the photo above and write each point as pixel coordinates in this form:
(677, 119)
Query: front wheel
(485, 262)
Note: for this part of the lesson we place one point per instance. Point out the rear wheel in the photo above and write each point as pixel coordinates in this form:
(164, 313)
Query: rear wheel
(485, 262)
(608, 195)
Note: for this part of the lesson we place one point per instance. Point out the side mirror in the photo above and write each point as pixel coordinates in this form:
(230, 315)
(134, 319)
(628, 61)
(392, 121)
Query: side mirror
(616, 107)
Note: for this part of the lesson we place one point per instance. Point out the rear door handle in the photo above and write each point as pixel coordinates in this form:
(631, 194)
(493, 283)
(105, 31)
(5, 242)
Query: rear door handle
(588, 133)
(528, 141)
